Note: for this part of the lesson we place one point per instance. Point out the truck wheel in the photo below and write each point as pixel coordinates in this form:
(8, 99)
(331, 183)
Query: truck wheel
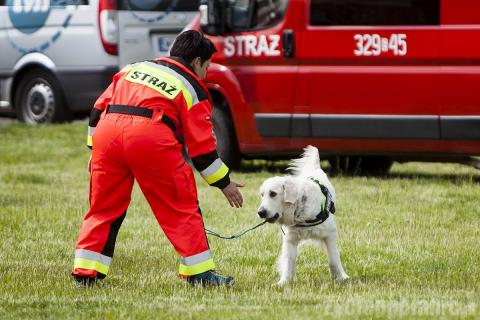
(375, 165)
(38, 99)
(224, 133)
(360, 165)
(344, 165)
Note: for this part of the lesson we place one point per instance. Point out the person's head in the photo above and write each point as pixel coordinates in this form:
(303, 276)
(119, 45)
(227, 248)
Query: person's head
(195, 49)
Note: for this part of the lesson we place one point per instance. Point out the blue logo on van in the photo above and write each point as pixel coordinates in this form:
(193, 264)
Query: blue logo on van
(147, 5)
(28, 16)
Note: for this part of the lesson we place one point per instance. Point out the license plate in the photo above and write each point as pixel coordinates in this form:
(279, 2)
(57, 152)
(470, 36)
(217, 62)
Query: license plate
(163, 44)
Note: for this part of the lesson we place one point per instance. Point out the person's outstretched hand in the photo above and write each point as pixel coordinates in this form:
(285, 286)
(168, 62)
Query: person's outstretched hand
(233, 195)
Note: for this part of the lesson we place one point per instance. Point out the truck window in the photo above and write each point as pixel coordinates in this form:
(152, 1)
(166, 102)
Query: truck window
(240, 14)
(374, 12)
(268, 13)
(264, 14)
(162, 5)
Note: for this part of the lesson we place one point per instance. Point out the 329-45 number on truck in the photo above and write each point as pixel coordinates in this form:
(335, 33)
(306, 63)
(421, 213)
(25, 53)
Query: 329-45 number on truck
(376, 45)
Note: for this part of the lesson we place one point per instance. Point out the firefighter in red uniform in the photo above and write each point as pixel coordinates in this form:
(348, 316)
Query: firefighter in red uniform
(134, 132)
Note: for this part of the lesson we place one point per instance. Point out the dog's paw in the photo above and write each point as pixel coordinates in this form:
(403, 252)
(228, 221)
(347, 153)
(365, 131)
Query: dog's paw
(342, 277)
(282, 283)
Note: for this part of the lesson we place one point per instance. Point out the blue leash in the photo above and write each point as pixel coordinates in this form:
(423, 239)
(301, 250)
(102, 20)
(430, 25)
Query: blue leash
(216, 234)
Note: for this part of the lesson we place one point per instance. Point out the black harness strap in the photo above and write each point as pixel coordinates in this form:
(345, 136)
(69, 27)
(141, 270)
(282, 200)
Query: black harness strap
(324, 213)
(319, 219)
(138, 111)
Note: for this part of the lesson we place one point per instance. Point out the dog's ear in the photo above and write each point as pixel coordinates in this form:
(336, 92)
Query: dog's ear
(290, 191)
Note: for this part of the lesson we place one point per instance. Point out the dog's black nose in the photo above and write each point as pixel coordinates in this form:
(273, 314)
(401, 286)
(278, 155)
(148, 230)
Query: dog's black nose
(262, 213)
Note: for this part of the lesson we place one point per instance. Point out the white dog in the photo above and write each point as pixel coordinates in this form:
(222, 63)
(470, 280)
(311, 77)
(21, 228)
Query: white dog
(299, 203)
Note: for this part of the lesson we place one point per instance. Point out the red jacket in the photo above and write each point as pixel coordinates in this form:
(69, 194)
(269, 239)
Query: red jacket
(171, 85)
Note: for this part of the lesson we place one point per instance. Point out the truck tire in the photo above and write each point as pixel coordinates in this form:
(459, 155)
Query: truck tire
(225, 134)
(375, 165)
(360, 165)
(39, 99)
(344, 165)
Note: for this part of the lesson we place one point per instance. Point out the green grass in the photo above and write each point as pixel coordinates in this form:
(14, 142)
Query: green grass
(409, 241)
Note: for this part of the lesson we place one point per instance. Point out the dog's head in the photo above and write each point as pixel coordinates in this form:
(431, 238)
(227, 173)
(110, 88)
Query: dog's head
(279, 199)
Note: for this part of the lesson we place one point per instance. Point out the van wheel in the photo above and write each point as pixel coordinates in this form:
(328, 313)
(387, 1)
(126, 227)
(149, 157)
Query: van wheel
(360, 165)
(226, 143)
(39, 99)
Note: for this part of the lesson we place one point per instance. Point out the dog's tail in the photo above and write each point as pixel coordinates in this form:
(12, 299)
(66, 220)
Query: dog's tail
(309, 161)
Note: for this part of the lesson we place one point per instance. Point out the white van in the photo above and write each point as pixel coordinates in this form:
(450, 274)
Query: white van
(57, 56)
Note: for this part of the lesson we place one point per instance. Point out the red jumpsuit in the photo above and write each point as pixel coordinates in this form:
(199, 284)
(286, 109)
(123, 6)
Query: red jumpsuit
(141, 116)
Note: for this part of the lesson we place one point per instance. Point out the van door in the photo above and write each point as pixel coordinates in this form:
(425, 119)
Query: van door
(373, 70)
(253, 51)
(147, 29)
(460, 57)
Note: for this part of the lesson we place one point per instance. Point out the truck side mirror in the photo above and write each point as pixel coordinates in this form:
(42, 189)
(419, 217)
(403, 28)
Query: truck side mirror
(288, 43)
(213, 16)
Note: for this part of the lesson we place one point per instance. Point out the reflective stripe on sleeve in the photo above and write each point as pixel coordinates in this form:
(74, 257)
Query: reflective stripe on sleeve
(91, 260)
(89, 141)
(214, 172)
(196, 264)
(91, 130)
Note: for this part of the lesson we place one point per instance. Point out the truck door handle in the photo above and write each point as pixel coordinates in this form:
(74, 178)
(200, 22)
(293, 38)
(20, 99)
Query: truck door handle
(288, 43)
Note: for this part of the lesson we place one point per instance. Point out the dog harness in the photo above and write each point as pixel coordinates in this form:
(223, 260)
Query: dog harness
(327, 208)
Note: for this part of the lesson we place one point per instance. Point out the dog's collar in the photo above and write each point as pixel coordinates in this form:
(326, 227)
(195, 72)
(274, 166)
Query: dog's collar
(327, 208)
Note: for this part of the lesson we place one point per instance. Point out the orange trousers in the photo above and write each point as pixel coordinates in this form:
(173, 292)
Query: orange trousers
(128, 148)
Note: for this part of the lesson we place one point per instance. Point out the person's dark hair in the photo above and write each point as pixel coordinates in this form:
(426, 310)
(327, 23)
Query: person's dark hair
(191, 44)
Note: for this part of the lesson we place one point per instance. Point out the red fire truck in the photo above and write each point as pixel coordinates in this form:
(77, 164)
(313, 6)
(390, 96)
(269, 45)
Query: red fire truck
(367, 82)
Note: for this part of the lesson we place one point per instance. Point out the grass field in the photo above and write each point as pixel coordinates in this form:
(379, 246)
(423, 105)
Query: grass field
(409, 241)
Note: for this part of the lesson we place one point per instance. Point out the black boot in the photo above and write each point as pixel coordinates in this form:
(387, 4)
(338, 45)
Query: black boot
(84, 282)
(211, 278)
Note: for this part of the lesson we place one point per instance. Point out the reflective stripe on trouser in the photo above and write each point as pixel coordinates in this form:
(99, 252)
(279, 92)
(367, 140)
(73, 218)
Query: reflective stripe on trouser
(196, 264)
(86, 259)
(122, 152)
